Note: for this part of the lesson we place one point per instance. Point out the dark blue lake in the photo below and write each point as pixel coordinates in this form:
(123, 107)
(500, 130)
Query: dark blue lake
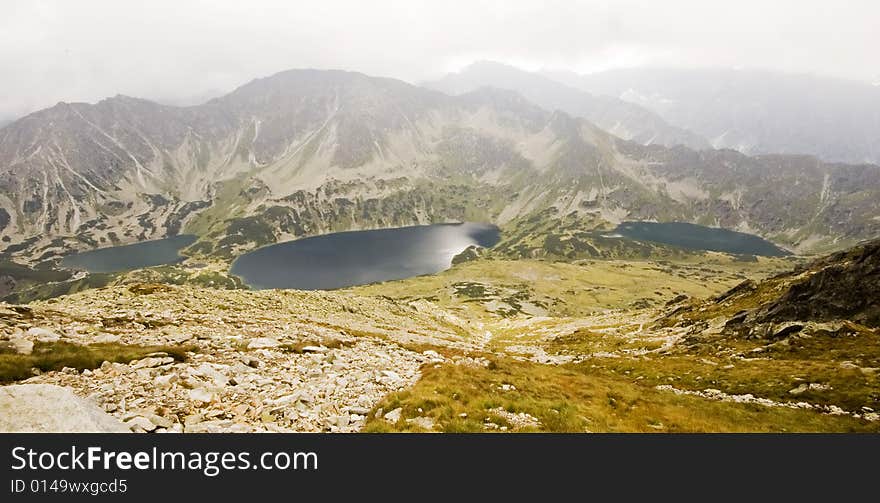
(133, 256)
(698, 237)
(353, 258)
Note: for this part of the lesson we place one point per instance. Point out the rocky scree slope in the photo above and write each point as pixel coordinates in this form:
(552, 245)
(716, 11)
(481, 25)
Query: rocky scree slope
(256, 361)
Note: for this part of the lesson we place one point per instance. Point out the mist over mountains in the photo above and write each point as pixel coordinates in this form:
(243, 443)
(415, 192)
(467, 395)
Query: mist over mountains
(755, 112)
(627, 120)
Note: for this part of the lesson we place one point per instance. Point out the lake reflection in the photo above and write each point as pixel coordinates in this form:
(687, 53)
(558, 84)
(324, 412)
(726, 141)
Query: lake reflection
(133, 256)
(698, 237)
(359, 257)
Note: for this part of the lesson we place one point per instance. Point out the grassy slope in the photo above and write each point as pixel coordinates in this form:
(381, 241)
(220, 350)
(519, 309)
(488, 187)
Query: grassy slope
(565, 289)
(576, 399)
(601, 393)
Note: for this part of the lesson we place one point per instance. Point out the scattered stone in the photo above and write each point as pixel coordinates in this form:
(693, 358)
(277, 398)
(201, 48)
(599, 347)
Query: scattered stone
(106, 338)
(165, 381)
(804, 387)
(250, 361)
(19, 346)
(159, 421)
(423, 422)
(262, 343)
(314, 349)
(434, 356)
(227, 387)
(394, 415)
(140, 423)
(517, 419)
(151, 362)
(201, 395)
(42, 334)
(391, 374)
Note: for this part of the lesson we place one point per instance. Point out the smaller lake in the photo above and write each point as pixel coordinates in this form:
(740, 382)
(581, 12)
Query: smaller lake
(698, 237)
(133, 256)
(345, 259)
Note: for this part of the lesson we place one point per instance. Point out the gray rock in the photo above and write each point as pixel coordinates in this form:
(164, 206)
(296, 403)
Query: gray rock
(106, 338)
(140, 423)
(20, 346)
(46, 408)
(426, 423)
(263, 342)
(391, 374)
(152, 362)
(201, 395)
(165, 381)
(42, 335)
(159, 421)
(394, 415)
(250, 361)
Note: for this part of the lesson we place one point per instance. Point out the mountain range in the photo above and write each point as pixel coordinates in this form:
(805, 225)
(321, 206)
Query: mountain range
(753, 111)
(624, 119)
(310, 151)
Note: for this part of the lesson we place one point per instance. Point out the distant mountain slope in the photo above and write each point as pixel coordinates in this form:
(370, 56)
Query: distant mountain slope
(755, 112)
(305, 152)
(624, 119)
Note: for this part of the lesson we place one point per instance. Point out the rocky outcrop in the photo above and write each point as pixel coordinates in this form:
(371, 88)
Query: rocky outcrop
(834, 294)
(45, 408)
(845, 285)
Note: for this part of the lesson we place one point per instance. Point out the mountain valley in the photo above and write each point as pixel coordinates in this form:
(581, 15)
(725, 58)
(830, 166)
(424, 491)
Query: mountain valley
(568, 323)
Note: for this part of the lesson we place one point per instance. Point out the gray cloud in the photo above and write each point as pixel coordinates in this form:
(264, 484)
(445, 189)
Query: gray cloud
(181, 51)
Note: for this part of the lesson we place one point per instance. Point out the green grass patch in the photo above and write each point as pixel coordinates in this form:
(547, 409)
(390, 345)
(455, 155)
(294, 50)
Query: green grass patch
(48, 356)
(579, 399)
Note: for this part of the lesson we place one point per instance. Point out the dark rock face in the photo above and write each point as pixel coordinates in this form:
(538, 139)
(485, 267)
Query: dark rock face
(846, 287)
(472, 252)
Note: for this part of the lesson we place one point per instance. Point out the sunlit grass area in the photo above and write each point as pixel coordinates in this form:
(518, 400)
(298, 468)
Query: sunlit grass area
(462, 398)
(511, 287)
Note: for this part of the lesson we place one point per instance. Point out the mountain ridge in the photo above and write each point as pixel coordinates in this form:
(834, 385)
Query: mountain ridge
(754, 111)
(310, 151)
(624, 119)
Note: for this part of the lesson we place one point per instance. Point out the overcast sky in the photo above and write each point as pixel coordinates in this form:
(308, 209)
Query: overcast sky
(182, 50)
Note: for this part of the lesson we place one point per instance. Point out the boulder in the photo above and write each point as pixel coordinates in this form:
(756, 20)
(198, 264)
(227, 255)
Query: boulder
(42, 334)
(262, 343)
(105, 338)
(46, 408)
(20, 346)
(140, 423)
(201, 395)
(425, 423)
(394, 415)
(152, 362)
